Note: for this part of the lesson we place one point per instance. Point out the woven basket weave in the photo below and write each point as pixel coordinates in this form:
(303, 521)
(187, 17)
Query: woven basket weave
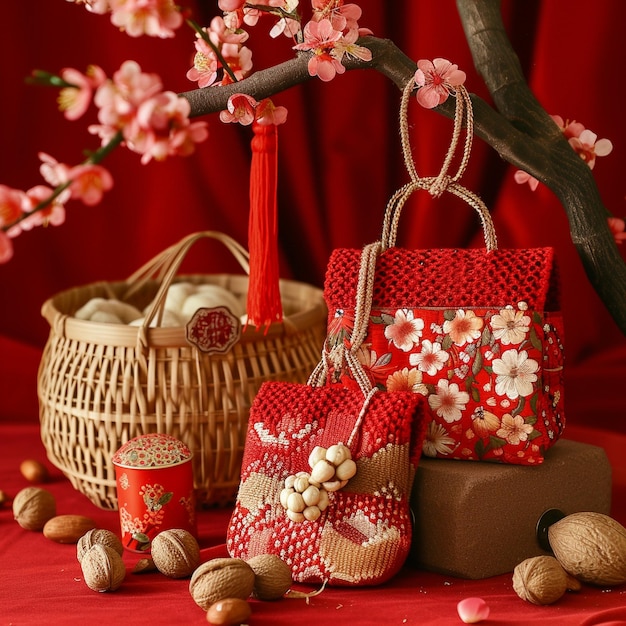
(100, 385)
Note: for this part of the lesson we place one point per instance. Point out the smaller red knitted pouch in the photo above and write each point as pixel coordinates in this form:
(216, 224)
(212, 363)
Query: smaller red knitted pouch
(359, 534)
(327, 472)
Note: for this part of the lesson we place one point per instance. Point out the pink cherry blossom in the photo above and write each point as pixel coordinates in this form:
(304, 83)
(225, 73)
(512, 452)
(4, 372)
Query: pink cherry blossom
(618, 228)
(89, 182)
(319, 36)
(6, 248)
(285, 26)
(343, 17)
(569, 128)
(52, 213)
(94, 6)
(220, 32)
(239, 59)
(156, 18)
(205, 65)
(522, 177)
(252, 12)
(183, 140)
(13, 204)
(118, 99)
(75, 100)
(228, 41)
(230, 5)
(437, 80)
(268, 113)
(54, 173)
(240, 109)
(347, 46)
(134, 85)
(161, 128)
(583, 141)
(325, 66)
(588, 147)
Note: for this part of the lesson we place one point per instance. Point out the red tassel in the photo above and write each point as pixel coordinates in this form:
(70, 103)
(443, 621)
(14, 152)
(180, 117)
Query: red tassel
(264, 304)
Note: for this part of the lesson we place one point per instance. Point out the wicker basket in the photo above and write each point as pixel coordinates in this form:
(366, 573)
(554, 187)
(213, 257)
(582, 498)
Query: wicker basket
(101, 384)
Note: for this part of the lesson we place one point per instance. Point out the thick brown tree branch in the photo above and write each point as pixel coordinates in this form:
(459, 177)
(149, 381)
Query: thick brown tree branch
(518, 129)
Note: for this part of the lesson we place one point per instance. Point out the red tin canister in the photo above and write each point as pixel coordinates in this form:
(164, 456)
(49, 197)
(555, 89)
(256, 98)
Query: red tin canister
(155, 492)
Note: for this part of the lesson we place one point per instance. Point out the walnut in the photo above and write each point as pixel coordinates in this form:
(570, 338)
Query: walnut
(33, 507)
(175, 553)
(103, 568)
(98, 536)
(540, 580)
(591, 547)
(221, 578)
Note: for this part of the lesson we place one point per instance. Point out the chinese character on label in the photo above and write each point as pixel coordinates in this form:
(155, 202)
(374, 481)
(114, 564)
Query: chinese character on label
(213, 330)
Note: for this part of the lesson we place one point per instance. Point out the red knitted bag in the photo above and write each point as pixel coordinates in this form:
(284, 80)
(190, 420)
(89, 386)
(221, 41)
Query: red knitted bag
(363, 534)
(327, 473)
(478, 332)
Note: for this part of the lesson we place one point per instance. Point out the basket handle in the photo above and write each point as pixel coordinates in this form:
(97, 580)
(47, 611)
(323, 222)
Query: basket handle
(443, 181)
(164, 267)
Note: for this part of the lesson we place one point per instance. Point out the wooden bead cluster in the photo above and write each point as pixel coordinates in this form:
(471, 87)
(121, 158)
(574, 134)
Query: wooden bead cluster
(305, 494)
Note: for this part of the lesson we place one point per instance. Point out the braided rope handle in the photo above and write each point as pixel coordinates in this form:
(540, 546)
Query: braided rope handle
(164, 267)
(349, 350)
(443, 181)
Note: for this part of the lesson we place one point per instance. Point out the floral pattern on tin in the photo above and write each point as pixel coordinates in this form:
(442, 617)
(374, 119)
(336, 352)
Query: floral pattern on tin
(155, 497)
(154, 450)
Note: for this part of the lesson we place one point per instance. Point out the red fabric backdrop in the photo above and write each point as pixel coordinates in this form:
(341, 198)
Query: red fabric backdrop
(339, 162)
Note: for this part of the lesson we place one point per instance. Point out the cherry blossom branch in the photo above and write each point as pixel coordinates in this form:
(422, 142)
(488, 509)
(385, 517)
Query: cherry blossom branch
(96, 157)
(543, 152)
(518, 129)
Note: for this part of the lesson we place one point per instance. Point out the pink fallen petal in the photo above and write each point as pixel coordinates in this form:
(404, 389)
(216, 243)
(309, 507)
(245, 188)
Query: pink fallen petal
(472, 610)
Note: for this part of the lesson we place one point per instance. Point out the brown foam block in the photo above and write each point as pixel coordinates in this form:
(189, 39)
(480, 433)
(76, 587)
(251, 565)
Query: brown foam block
(475, 520)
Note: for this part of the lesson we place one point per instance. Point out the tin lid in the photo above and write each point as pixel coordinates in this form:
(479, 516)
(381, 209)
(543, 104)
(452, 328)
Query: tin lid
(153, 450)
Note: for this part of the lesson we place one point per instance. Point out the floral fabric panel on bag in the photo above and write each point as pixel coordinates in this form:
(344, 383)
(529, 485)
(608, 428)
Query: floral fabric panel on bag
(363, 534)
(492, 377)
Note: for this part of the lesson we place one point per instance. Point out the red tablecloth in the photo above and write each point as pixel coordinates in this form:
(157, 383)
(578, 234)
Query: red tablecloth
(42, 581)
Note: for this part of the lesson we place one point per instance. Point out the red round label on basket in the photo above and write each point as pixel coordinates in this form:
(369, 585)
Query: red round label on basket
(213, 330)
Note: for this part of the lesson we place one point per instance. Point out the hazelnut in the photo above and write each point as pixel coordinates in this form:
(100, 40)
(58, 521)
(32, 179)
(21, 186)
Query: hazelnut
(175, 553)
(272, 576)
(34, 471)
(221, 578)
(103, 568)
(540, 580)
(33, 507)
(99, 536)
(229, 612)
